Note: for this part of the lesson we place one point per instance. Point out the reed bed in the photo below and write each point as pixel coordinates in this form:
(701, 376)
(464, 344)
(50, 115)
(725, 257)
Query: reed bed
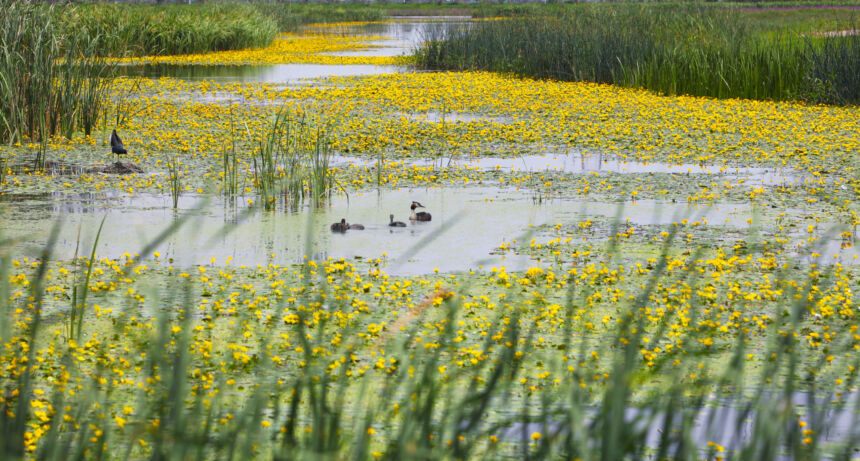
(51, 82)
(149, 30)
(833, 72)
(697, 51)
(291, 17)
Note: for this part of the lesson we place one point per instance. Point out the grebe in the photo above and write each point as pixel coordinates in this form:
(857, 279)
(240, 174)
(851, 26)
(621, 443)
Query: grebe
(394, 223)
(341, 226)
(419, 216)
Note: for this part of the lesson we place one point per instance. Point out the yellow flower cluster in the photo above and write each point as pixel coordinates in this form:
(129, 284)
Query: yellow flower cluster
(285, 49)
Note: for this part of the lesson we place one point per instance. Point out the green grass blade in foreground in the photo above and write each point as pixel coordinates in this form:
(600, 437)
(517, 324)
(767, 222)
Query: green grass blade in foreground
(78, 309)
(14, 420)
(418, 402)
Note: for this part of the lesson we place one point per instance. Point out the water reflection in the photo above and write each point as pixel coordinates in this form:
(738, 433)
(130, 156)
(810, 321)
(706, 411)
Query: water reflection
(399, 38)
(279, 73)
(581, 163)
(727, 422)
(488, 217)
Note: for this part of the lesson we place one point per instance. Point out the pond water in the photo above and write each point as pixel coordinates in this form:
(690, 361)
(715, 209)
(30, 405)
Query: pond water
(468, 225)
(499, 215)
(278, 73)
(580, 163)
(470, 221)
(453, 117)
(728, 423)
(399, 38)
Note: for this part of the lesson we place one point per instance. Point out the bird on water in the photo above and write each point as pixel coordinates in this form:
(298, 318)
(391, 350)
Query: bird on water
(341, 226)
(394, 223)
(420, 215)
(116, 146)
(356, 227)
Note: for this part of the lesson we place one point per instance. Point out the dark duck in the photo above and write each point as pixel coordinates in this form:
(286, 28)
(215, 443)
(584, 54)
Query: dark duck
(116, 146)
(394, 223)
(420, 215)
(341, 226)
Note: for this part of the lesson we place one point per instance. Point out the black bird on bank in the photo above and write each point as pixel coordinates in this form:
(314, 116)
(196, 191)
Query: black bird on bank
(341, 226)
(394, 223)
(419, 216)
(116, 144)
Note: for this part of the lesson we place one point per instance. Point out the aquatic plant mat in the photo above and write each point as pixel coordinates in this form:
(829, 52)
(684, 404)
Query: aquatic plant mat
(609, 273)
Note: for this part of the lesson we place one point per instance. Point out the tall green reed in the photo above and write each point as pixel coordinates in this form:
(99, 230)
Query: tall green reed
(833, 68)
(691, 50)
(50, 81)
(230, 164)
(146, 30)
(291, 162)
(321, 180)
(291, 16)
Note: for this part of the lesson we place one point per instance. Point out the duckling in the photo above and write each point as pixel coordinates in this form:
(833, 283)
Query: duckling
(356, 227)
(394, 223)
(419, 216)
(341, 226)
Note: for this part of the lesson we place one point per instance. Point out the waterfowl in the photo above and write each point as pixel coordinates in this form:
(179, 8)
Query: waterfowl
(394, 223)
(116, 146)
(419, 216)
(341, 226)
(356, 227)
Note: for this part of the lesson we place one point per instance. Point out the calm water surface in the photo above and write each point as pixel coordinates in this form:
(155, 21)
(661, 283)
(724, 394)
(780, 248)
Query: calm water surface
(471, 223)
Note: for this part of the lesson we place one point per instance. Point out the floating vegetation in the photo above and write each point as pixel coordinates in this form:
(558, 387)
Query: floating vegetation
(502, 362)
(688, 294)
(285, 49)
